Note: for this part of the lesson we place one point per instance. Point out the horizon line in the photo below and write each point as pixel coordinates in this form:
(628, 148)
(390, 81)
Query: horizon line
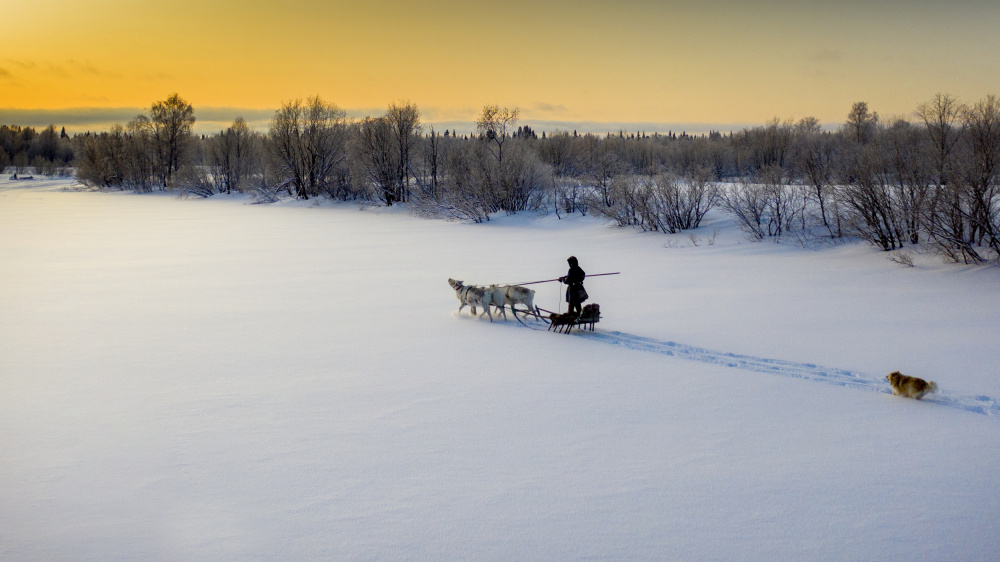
(213, 119)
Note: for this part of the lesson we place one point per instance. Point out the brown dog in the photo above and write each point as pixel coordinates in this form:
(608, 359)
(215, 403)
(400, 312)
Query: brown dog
(910, 387)
(563, 322)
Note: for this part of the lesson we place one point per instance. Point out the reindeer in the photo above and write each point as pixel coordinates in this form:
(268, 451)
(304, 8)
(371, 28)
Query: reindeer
(472, 296)
(516, 294)
(498, 298)
(510, 295)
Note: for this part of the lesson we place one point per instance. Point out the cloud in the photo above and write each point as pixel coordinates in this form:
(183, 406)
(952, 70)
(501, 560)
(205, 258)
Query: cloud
(434, 114)
(542, 107)
(826, 56)
(24, 64)
(70, 68)
(88, 68)
(74, 119)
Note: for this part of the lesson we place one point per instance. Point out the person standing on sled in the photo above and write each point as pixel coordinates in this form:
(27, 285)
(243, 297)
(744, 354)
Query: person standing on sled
(575, 293)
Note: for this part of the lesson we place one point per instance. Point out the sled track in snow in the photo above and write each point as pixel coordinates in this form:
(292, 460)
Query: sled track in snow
(838, 377)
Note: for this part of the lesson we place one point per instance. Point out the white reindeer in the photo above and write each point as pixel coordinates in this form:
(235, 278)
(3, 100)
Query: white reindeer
(472, 296)
(516, 294)
(498, 298)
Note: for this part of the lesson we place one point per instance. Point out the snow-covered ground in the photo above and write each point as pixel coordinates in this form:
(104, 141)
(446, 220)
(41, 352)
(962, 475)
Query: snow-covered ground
(188, 379)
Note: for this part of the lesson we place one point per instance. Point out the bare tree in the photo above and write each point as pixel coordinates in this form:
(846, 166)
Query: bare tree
(465, 194)
(815, 160)
(375, 160)
(946, 215)
(962, 215)
(308, 140)
(432, 162)
(122, 158)
(680, 204)
(172, 121)
(980, 175)
(860, 124)
(234, 156)
(141, 170)
(759, 147)
(496, 124)
(601, 164)
(100, 158)
(942, 118)
(907, 159)
(558, 150)
(748, 202)
(404, 118)
(512, 177)
(523, 178)
(868, 195)
(628, 194)
(785, 203)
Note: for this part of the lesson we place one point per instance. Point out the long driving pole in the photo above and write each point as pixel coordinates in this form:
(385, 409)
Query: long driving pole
(551, 280)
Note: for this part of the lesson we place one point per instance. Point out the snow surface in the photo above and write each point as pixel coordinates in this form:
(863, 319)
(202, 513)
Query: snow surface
(188, 379)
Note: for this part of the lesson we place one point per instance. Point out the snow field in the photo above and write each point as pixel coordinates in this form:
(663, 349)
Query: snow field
(206, 379)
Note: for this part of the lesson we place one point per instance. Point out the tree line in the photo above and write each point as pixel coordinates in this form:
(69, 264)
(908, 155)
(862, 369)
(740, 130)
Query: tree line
(928, 177)
(45, 152)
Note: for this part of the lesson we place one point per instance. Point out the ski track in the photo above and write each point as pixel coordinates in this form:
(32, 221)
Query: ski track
(977, 404)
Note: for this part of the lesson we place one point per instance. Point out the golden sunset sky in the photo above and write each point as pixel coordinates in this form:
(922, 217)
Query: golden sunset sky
(670, 63)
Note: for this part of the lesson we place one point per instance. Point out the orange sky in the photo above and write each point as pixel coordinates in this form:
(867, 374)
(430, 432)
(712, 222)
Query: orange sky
(672, 62)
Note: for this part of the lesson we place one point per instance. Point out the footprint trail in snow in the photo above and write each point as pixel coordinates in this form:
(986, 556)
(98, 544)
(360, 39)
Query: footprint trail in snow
(979, 404)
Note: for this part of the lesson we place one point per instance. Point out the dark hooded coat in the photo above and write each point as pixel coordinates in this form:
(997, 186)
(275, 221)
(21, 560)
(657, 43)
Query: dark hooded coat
(574, 282)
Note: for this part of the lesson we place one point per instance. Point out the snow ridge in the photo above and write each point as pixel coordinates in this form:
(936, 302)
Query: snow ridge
(978, 404)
